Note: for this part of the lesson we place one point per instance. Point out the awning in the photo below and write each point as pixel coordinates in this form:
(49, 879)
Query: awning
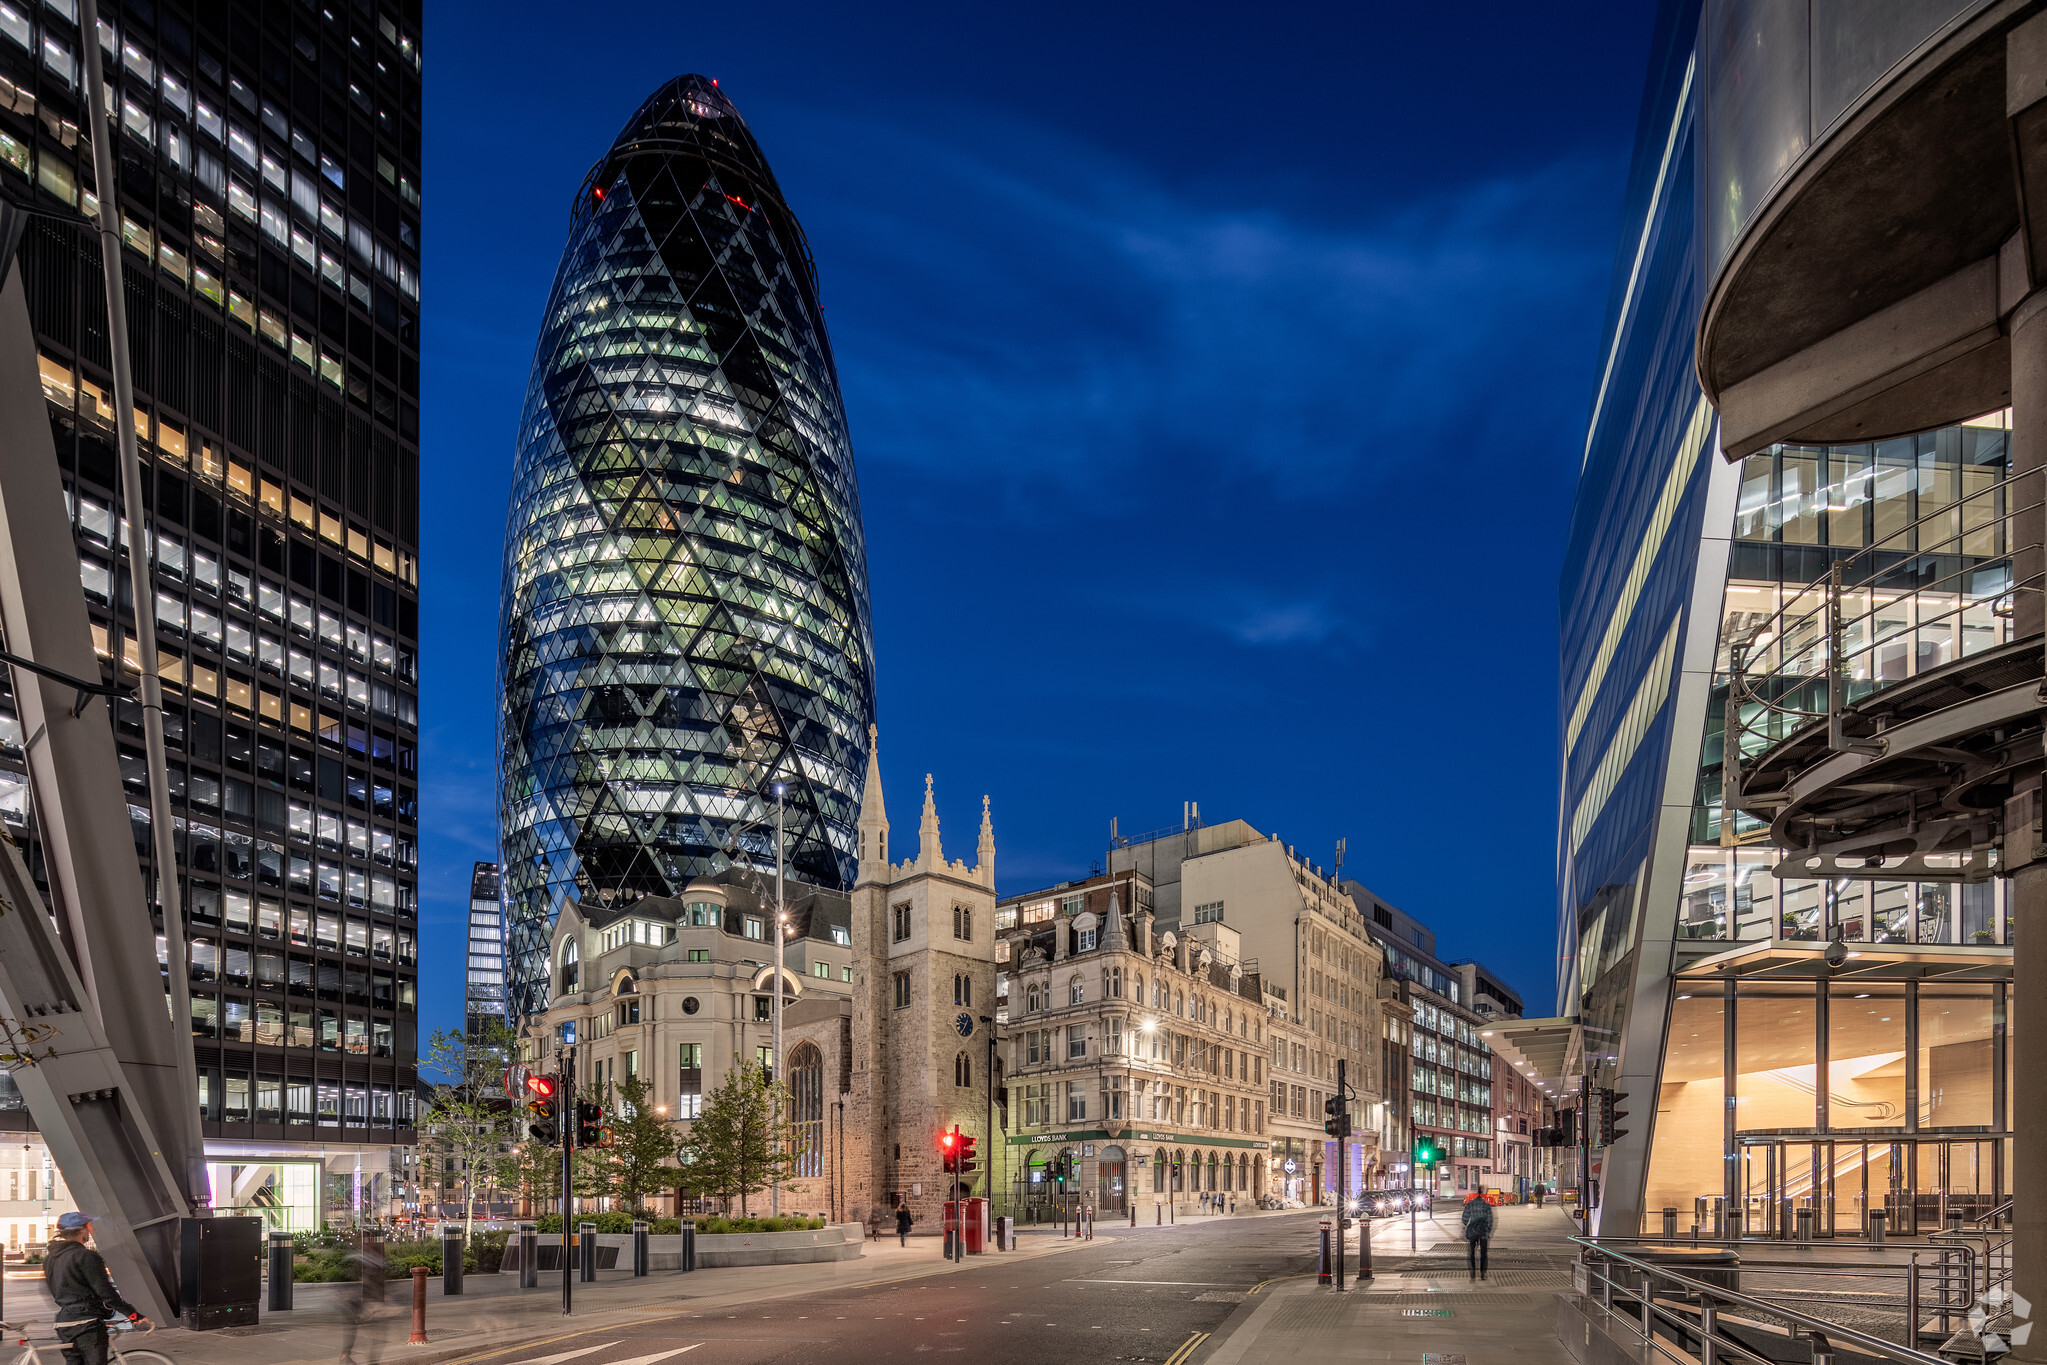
(1805, 960)
(1546, 1051)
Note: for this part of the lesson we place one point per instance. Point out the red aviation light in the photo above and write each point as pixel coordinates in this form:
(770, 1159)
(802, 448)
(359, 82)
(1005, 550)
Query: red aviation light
(599, 192)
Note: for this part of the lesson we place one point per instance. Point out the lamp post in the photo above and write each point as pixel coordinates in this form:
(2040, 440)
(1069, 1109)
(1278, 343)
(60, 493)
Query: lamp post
(781, 932)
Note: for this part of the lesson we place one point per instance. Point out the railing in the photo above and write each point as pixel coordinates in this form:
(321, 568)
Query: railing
(1938, 589)
(1685, 1307)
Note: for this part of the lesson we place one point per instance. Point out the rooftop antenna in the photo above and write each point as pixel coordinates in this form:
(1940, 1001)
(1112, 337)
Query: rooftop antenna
(1341, 844)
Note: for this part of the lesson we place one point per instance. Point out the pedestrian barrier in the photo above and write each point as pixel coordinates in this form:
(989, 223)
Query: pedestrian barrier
(281, 1249)
(451, 1259)
(418, 1336)
(640, 1256)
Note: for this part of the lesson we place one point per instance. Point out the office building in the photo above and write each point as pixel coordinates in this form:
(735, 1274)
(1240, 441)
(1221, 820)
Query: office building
(483, 994)
(685, 619)
(269, 200)
(1806, 1013)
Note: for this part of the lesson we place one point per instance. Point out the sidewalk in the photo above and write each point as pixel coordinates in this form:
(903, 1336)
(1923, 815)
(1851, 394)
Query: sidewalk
(1422, 1305)
(493, 1313)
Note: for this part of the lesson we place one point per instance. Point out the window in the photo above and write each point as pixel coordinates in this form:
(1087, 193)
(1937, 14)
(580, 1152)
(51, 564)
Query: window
(963, 1070)
(1076, 994)
(902, 990)
(901, 931)
(1076, 1042)
(569, 967)
(823, 969)
(1210, 913)
(842, 937)
(962, 989)
(1073, 905)
(846, 973)
(700, 955)
(763, 1008)
(1031, 998)
(754, 928)
(962, 923)
(1076, 1104)
(1087, 940)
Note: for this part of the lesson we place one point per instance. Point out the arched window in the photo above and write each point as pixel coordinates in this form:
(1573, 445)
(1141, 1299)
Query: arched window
(1179, 1002)
(1137, 987)
(1076, 993)
(806, 1095)
(962, 989)
(1229, 1021)
(1031, 998)
(570, 970)
(1115, 991)
(1158, 1171)
(963, 1071)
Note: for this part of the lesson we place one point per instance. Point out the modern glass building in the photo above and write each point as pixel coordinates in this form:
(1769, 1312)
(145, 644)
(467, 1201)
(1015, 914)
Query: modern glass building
(483, 996)
(269, 186)
(1793, 1033)
(685, 614)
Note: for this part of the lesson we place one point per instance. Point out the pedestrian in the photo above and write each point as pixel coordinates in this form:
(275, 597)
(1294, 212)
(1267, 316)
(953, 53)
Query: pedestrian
(903, 1225)
(1538, 1196)
(84, 1292)
(1478, 1232)
(362, 1306)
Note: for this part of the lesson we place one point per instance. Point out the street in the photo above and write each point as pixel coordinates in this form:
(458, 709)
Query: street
(1137, 1295)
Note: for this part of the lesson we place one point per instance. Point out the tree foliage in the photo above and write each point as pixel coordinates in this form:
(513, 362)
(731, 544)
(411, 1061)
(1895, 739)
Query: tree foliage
(741, 1142)
(640, 1162)
(467, 1120)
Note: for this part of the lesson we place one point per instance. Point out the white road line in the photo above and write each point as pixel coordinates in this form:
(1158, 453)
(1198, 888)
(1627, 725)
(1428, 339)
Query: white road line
(569, 1355)
(1185, 1282)
(658, 1355)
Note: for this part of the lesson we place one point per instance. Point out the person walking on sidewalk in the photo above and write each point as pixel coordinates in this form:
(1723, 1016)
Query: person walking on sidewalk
(903, 1225)
(1478, 1232)
(84, 1292)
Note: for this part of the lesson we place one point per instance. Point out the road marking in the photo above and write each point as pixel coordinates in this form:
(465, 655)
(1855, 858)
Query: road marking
(568, 1355)
(659, 1355)
(1179, 1357)
(564, 1336)
(1185, 1282)
(1275, 1280)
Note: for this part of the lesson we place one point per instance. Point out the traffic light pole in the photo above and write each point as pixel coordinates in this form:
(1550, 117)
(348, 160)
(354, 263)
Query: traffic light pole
(567, 1058)
(959, 1215)
(1342, 1184)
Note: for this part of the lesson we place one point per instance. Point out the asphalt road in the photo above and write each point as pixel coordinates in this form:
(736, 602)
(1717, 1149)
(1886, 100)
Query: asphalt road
(1140, 1297)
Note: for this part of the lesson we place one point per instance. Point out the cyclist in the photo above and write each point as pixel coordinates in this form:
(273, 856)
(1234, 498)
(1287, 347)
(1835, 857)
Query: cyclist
(84, 1291)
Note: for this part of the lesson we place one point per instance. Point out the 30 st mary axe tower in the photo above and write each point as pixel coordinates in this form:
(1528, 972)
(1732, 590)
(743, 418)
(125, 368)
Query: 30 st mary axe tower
(685, 615)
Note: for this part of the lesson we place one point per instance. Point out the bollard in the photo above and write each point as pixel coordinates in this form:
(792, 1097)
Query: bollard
(529, 1255)
(1322, 1275)
(1695, 1237)
(1802, 1223)
(1364, 1246)
(418, 1336)
(451, 1259)
(586, 1251)
(1954, 1220)
(1133, 1213)
(1670, 1225)
(639, 1248)
(689, 1245)
(1734, 1225)
(280, 1271)
(1878, 1219)
(1160, 1211)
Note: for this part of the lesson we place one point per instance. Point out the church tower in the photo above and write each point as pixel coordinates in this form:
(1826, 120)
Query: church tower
(923, 1009)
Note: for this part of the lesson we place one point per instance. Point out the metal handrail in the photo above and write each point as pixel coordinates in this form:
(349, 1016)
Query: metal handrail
(1710, 1296)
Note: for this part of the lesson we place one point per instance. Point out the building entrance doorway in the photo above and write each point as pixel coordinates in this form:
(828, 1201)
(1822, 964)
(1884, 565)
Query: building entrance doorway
(1917, 1181)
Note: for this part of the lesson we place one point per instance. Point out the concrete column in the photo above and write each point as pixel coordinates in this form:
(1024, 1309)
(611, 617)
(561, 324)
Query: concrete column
(2027, 1104)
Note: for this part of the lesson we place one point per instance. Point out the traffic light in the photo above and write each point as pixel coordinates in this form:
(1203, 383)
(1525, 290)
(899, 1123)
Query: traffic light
(1427, 1152)
(1610, 1115)
(949, 1150)
(1337, 1125)
(1059, 1170)
(968, 1167)
(543, 1094)
(589, 1124)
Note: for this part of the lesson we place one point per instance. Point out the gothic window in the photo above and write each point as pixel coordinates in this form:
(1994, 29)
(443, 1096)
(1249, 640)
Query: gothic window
(963, 1071)
(570, 970)
(806, 1094)
(902, 923)
(1075, 992)
(902, 990)
(962, 989)
(962, 923)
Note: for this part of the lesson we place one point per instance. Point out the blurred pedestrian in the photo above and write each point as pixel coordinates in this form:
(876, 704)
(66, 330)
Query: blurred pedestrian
(903, 1225)
(364, 1305)
(1478, 1232)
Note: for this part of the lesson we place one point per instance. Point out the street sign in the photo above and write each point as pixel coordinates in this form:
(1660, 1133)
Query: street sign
(1288, 1166)
(515, 1081)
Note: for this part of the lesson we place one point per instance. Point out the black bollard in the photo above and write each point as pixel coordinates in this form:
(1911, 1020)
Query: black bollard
(529, 1256)
(586, 1251)
(689, 1245)
(451, 1259)
(1322, 1275)
(639, 1248)
(280, 1271)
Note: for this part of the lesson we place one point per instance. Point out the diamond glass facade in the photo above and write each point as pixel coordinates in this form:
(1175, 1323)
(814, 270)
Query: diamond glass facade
(685, 593)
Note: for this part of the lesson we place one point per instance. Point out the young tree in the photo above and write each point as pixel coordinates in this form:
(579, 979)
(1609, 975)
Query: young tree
(467, 1120)
(534, 1171)
(640, 1162)
(741, 1142)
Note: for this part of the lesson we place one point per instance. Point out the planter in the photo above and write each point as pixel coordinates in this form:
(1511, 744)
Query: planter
(834, 1242)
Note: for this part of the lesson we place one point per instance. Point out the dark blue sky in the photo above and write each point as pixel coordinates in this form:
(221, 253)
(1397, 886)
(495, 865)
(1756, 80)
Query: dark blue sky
(1216, 377)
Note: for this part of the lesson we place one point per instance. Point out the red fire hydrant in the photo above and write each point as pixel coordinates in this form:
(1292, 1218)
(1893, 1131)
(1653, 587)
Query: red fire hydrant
(418, 1336)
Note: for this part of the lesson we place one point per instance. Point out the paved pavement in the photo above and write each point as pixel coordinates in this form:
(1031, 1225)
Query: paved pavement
(1227, 1290)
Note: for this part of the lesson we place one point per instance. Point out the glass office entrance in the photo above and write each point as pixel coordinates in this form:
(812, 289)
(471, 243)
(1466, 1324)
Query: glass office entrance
(1916, 1182)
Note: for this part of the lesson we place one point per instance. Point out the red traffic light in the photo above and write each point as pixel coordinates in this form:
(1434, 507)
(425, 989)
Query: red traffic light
(542, 1087)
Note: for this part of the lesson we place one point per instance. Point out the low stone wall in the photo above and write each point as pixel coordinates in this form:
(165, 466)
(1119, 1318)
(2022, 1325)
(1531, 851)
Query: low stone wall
(833, 1242)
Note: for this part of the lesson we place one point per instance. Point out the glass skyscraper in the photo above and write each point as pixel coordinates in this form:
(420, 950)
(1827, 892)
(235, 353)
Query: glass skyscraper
(269, 186)
(685, 614)
(483, 996)
(1769, 1076)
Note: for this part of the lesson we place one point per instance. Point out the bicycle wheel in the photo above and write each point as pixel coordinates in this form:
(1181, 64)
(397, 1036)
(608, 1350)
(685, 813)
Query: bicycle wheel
(141, 1358)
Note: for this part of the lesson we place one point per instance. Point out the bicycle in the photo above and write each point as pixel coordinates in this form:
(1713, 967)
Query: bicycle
(116, 1328)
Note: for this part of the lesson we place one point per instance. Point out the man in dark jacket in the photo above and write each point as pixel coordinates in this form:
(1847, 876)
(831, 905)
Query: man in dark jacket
(1478, 1231)
(84, 1291)
(903, 1224)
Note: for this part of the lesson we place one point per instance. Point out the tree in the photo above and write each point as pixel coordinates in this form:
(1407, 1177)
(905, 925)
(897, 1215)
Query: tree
(741, 1142)
(467, 1120)
(534, 1171)
(640, 1161)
